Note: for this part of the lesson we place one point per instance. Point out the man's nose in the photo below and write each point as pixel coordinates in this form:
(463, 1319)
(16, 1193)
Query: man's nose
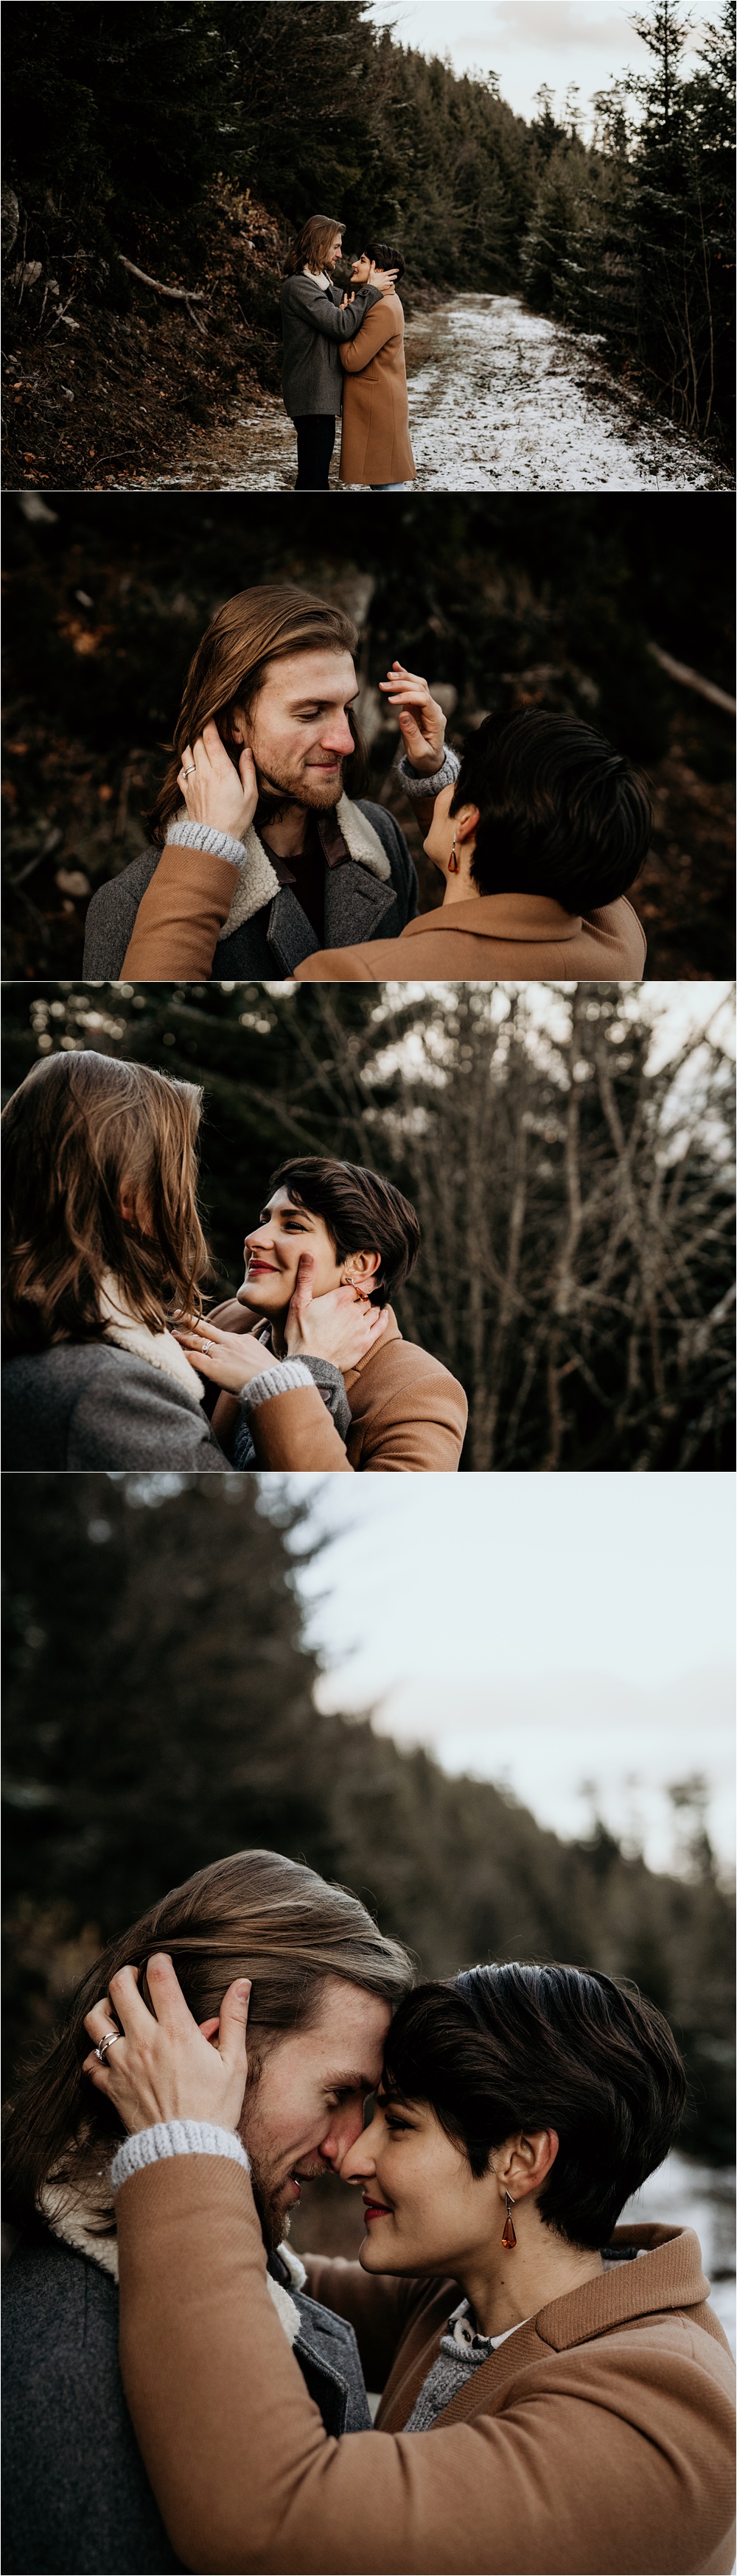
(346, 2128)
(337, 736)
(359, 2160)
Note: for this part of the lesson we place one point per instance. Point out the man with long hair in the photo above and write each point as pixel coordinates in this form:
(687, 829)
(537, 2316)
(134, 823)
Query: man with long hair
(317, 320)
(253, 827)
(325, 1981)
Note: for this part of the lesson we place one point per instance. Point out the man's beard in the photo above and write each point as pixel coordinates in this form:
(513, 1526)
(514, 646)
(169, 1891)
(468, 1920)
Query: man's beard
(275, 793)
(273, 2217)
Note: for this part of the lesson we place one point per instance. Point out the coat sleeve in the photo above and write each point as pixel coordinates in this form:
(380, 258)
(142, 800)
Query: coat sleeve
(375, 2304)
(379, 326)
(334, 321)
(602, 2458)
(180, 916)
(139, 1419)
(344, 966)
(295, 1430)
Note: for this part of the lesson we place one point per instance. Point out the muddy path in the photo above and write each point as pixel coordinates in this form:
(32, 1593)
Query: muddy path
(500, 400)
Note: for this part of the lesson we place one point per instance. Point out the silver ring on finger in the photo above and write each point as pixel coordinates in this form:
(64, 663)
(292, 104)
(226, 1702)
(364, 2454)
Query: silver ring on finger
(206, 1347)
(190, 772)
(106, 2043)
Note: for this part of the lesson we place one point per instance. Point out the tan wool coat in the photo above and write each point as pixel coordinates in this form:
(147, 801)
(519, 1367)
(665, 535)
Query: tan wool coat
(524, 936)
(375, 444)
(596, 2441)
(408, 1415)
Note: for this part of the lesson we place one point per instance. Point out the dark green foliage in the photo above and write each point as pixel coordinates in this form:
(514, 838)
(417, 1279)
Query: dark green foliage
(633, 241)
(126, 120)
(159, 1713)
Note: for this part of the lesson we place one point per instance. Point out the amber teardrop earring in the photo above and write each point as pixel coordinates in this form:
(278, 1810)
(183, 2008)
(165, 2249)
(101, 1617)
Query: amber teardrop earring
(454, 861)
(508, 2235)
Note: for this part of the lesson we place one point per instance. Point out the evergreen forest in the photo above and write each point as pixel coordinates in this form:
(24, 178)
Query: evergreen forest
(182, 142)
(159, 1714)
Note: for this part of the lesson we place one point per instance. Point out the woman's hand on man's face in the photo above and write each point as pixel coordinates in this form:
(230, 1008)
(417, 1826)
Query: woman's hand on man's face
(421, 720)
(214, 791)
(164, 2067)
(340, 1326)
(229, 1360)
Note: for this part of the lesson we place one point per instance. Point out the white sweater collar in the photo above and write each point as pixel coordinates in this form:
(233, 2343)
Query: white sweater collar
(131, 1334)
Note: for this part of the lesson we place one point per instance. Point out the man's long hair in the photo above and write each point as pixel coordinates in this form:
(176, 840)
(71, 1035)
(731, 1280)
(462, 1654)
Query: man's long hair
(248, 633)
(79, 1128)
(312, 244)
(254, 1914)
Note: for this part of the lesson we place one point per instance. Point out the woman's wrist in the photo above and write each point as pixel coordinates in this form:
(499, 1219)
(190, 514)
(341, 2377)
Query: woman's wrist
(184, 835)
(444, 775)
(175, 2138)
(279, 1379)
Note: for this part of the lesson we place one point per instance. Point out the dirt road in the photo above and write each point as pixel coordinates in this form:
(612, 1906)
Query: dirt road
(500, 400)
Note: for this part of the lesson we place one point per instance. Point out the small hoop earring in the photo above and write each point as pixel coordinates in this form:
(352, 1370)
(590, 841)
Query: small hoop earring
(508, 2235)
(454, 861)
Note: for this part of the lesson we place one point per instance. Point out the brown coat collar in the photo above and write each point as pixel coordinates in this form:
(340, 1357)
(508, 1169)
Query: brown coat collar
(502, 916)
(630, 2293)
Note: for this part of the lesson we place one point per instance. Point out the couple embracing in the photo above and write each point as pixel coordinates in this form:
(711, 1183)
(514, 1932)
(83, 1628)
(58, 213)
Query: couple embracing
(554, 2392)
(109, 1362)
(346, 351)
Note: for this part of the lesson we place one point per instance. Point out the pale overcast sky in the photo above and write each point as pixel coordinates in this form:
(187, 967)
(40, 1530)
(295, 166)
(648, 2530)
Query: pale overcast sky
(544, 1632)
(527, 42)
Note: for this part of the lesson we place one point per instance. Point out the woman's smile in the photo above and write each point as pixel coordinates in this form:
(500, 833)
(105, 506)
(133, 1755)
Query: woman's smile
(374, 2209)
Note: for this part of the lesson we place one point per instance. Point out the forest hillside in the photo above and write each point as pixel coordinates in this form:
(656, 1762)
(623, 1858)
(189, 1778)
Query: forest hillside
(160, 159)
(160, 1713)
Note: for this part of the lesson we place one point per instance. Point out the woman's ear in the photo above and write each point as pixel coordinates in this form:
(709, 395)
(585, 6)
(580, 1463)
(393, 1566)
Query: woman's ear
(466, 822)
(363, 1265)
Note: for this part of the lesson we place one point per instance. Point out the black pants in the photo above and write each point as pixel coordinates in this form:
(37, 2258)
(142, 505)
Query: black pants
(315, 443)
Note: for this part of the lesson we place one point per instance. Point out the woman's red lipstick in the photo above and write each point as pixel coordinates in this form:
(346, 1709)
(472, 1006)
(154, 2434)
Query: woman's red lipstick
(374, 2209)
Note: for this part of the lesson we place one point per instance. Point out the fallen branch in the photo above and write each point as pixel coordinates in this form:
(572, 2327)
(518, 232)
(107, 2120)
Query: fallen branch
(692, 680)
(174, 294)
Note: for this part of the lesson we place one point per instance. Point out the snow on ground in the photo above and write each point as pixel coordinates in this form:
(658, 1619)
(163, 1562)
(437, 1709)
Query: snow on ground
(508, 402)
(500, 400)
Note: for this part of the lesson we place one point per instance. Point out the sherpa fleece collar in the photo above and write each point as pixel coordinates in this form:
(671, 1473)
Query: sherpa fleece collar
(130, 1334)
(73, 2222)
(257, 883)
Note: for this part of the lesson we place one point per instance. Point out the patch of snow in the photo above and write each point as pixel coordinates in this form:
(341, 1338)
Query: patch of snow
(500, 400)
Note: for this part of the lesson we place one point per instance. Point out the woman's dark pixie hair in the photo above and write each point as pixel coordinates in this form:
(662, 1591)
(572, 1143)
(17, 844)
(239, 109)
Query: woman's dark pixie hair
(501, 2049)
(362, 1214)
(561, 812)
(384, 255)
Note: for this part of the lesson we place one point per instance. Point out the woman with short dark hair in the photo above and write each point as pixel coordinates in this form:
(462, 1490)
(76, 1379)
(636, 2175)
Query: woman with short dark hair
(375, 443)
(330, 1233)
(538, 831)
(578, 2393)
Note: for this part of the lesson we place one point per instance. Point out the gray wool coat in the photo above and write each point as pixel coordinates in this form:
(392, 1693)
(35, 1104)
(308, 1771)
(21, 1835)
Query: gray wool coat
(312, 328)
(83, 1406)
(87, 1405)
(77, 2497)
(358, 907)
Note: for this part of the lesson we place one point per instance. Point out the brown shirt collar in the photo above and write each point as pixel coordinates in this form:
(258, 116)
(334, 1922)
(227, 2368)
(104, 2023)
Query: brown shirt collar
(330, 837)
